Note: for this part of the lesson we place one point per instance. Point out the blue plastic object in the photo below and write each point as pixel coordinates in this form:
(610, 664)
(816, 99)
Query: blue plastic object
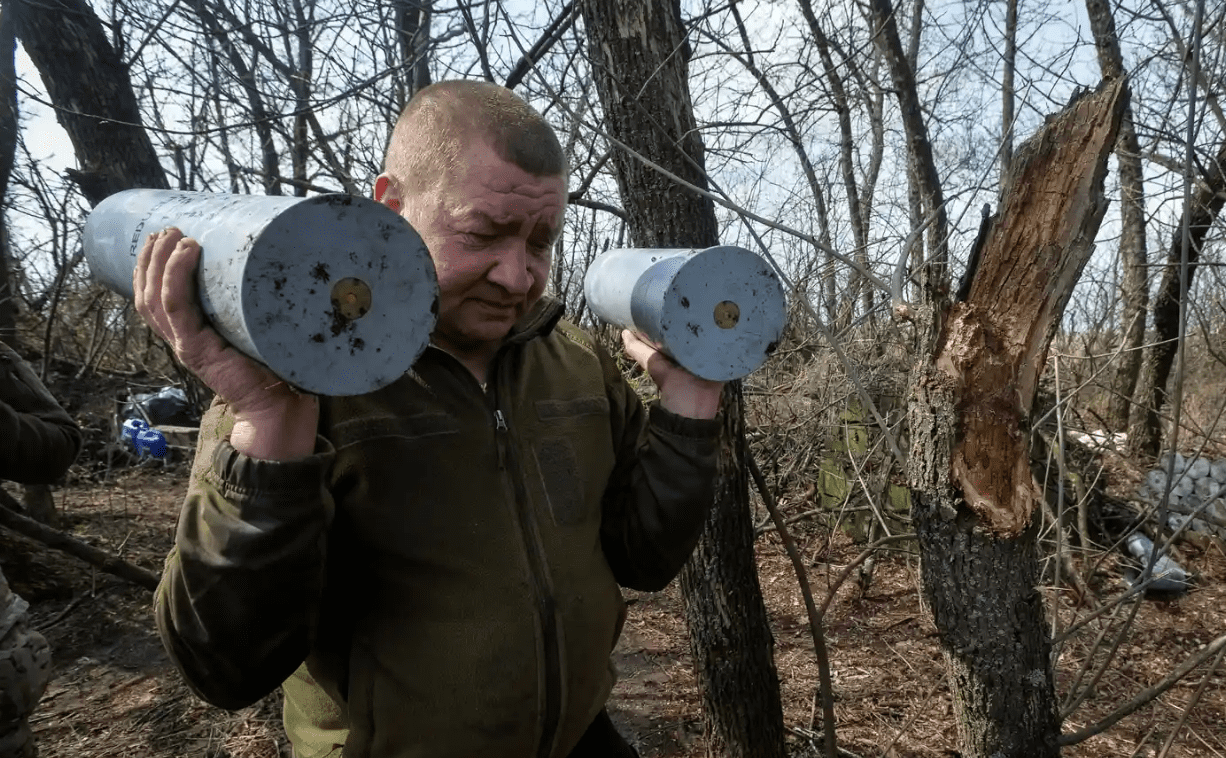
(144, 440)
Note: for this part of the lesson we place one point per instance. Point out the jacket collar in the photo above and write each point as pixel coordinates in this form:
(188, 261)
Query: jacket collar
(538, 322)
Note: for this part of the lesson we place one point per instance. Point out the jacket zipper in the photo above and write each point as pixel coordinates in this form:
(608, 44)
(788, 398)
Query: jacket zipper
(538, 569)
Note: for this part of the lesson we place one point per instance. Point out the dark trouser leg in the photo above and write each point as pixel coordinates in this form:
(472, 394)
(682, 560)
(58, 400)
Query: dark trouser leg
(25, 668)
(602, 740)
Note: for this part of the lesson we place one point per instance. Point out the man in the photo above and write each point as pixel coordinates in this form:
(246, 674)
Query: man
(432, 569)
(38, 442)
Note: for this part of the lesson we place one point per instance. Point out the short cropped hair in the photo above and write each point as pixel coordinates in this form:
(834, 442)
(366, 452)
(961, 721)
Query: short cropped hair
(442, 119)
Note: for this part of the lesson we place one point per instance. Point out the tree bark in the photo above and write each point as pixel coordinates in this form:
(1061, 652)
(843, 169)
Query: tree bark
(8, 152)
(639, 59)
(974, 497)
(36, 497)
(730, 636)
(1007, 92)
(1145, 435)
(412, 24)
(1134, 289)
(89, 85)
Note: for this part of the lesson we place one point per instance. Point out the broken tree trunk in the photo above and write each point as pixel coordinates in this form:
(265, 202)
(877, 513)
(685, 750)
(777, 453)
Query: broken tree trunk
(974, 498)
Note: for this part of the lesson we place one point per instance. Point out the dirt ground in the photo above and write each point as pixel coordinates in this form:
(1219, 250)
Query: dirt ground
(114, 693)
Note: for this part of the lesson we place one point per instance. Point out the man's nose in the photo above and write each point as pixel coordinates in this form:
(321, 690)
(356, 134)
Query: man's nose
(511, 269)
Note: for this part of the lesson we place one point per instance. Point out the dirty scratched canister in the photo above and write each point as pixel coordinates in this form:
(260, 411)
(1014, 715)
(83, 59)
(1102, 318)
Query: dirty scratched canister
(336, 294)
(718, 312)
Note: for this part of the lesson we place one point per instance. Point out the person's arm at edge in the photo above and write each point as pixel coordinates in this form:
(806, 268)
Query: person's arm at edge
(38, 439)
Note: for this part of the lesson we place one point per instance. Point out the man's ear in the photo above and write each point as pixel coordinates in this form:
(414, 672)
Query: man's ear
(387, 192)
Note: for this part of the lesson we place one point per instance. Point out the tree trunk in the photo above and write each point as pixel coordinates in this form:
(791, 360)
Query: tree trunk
(857, 210)
(639, 59)
(730, 636)
(8, 151)
(1007, 93)
(919, 147)
(974, 496)
(1134, 290)
(89, 86)
(1202, 210)
(413, 28)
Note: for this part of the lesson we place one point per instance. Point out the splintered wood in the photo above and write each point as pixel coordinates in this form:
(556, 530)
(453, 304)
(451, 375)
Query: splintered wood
(994, 345)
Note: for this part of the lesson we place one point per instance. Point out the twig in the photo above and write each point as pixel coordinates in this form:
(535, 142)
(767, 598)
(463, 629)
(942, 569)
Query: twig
(1145, 697)
(868, 551)
(811, 736)
(815, 618)
(1059, 514)
(1187, 711)
(1075, 699)
(868, 493)
(71, 607)
(912, 718)
(1063, 559)
(764, 528)
(10, 518)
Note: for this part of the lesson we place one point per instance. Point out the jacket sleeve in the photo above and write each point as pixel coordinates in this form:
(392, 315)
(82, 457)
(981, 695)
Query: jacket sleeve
(661, 489)
(38, 440)
(241, 586)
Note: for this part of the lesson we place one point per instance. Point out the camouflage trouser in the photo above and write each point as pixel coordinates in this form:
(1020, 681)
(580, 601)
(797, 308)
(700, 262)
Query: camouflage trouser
(25, 667)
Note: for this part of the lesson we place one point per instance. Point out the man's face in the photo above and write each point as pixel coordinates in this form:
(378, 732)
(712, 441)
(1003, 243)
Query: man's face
(490, 228)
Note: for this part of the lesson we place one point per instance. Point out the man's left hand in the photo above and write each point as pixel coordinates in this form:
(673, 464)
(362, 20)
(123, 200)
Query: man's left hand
(680, 391)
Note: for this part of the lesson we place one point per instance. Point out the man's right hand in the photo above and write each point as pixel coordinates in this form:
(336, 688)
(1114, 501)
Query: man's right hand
(272, 422)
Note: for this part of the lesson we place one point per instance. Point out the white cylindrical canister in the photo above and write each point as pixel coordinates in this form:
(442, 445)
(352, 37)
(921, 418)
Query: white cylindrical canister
(718, 312)
(336, 294)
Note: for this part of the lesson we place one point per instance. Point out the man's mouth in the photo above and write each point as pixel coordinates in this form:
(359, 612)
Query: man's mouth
(498, 306)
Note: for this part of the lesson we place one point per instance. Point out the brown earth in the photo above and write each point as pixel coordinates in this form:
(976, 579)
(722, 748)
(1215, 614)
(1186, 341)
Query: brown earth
(114, 693)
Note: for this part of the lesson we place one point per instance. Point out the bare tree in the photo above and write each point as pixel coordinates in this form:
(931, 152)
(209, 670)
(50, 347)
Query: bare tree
(639, 59)
(1133, 255)
(412, 18)
(975, 499)
(8, 152)
(1199, 215)
(95, 103)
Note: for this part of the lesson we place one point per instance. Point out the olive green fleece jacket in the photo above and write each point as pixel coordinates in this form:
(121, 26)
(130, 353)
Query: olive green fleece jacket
(38, 440)
(441, 578)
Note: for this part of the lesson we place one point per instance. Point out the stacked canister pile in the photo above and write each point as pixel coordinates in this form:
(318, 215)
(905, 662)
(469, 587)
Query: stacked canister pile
(1198, 492)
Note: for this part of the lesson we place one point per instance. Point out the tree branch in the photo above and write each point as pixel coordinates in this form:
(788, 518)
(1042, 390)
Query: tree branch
(815, 616)
(11, 519)
(1146, 696)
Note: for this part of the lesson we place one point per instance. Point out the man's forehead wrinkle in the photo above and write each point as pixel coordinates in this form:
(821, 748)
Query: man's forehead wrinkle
(523, 205)
(532, 187)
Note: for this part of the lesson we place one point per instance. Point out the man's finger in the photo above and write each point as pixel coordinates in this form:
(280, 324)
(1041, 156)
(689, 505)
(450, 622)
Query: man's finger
(139, 274)
(163, 244)
(179, 285)
(151, 289)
